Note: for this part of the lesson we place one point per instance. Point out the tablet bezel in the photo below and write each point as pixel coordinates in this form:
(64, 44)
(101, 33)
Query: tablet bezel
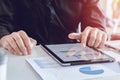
(78, 62)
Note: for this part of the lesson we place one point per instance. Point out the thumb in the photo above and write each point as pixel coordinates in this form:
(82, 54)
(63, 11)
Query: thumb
(76, 36)
(33, 42)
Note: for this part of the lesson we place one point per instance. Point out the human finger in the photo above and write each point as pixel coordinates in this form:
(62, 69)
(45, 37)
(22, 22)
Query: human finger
(98, 39)
(18, 44)
(33, 42)
(104, 39)
(5, 44)
(92, 37)
(84, 36)
(8, 48)
(14, 46)
(76, 36)
(26, 41)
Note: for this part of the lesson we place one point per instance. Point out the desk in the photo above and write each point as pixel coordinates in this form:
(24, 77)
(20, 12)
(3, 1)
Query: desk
(19, 69)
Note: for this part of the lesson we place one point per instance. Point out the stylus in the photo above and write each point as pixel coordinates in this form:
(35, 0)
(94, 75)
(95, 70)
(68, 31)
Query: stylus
(79, 27)
(79, 30)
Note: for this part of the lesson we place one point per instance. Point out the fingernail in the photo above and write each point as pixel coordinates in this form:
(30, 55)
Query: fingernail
(71, 36)
(20, 53)
(30, 52)
(25, 53)
(96, 46)
(83, 45)
(91, 44)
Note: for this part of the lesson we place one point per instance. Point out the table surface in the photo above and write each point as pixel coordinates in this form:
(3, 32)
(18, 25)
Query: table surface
(19, 69)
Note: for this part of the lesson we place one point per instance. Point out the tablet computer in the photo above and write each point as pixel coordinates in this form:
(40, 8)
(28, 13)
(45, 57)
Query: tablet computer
(74, 54)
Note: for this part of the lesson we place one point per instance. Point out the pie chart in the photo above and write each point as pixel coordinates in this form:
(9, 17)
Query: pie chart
(91, 71)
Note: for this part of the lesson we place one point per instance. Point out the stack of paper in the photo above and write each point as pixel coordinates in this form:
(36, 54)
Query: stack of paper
(49, 69)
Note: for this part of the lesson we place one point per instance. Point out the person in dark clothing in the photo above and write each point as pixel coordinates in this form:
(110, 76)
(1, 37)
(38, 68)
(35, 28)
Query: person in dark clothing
(23, 23)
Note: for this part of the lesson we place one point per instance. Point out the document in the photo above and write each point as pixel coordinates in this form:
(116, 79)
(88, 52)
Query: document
(114, 77)
(49, 69)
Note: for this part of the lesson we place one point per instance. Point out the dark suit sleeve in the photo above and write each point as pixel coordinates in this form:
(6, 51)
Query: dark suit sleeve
(92, 15)
(5, 17)
(88, 12)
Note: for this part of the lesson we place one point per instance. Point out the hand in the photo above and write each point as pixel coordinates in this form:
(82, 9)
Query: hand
(18, 43)
(92, 37)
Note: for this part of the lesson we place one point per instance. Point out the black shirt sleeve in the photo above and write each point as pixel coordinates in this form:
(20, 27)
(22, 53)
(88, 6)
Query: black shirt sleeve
(70, 12)
(5, 17)
(92, 15)
(88, 12)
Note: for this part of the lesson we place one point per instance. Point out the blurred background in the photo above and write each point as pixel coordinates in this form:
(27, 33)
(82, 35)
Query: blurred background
(111, 9)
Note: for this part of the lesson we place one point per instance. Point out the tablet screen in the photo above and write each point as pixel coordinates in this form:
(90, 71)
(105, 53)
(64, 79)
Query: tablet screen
(75, 52)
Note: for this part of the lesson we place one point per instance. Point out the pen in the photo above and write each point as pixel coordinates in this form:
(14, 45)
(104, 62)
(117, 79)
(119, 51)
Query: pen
(79, 30)
(79, 27)
(111, 48)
